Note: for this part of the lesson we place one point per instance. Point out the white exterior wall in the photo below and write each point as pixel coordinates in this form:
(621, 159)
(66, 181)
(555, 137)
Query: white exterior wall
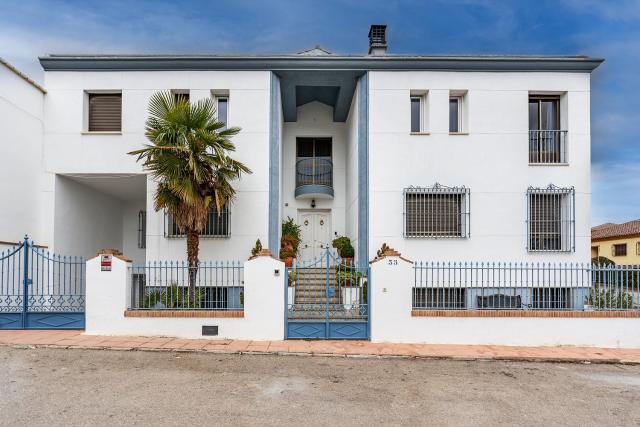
(492, 160)
(315, 120)
(352, 174)
(392, 281)
(21, 121)
(68, 149)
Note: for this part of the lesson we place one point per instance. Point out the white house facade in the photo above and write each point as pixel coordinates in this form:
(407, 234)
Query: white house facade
(477, 168)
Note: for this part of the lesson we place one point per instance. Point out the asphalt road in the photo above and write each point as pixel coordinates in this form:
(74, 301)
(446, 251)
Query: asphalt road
(92, 387)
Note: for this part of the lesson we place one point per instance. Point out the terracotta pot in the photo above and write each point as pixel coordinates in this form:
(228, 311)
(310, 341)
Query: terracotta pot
(288, 261)
(347, 261)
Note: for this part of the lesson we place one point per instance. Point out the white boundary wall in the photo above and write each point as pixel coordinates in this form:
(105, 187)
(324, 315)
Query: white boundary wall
(108, 292)
(391, 320)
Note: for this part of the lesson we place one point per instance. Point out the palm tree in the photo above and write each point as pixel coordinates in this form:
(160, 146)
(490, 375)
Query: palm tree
(188, 157)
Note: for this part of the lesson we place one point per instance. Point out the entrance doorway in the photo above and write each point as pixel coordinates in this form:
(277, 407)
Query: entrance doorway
(315, 236)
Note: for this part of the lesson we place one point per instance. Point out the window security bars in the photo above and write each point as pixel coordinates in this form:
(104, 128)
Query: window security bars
(142, 230)
(548, 146)
(165, 286)
(551, 219)
(314, 171)
(218, 225)
(437, 211)
(525, 286)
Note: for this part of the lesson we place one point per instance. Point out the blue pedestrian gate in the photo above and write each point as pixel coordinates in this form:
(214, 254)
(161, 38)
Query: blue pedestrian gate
(41, 290)
(327, 298)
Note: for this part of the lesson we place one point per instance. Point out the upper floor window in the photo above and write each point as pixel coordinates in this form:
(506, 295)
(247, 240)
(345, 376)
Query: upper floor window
(217, 224)
(547, 141)
(180, 95)
(222, 108)
(104, 112)
(456, 111)
(550, 219)
(142, 229)
(637, 248)
(418, 103)
(313, 162)
(619, 249)
(436, 211)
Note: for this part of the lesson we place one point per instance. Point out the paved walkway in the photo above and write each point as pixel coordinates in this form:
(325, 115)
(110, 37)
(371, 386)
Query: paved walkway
(77, 339)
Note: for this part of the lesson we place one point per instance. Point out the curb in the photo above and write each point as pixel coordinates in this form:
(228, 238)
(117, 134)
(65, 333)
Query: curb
(346, 356)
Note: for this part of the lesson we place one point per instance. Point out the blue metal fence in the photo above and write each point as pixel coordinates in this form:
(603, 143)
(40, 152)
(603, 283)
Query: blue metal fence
(164, 285)
(528, 286)
(40, 289)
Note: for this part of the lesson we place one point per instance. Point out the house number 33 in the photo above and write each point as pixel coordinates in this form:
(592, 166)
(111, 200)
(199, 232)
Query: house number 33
(392, 262)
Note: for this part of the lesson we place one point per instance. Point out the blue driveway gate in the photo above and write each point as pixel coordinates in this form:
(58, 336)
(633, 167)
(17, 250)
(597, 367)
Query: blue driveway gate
(327, 298)
(41, 290)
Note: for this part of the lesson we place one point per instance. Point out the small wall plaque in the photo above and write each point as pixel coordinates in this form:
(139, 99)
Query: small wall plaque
(209, 330)
(105, 262)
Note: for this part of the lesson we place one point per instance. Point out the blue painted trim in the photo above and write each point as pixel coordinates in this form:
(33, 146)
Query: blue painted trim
(274, 164)
(363, 171)
(286, 303)
(313, 189)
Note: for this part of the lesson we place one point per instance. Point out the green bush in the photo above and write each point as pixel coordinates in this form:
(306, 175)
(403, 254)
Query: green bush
(256, 249)
(339, 242)
(172, 297)
(347, 275)
(608, 298)
(347, 251)
(290, 228)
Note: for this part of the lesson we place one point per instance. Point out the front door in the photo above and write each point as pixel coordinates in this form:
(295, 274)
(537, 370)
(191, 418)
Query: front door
(315, 236)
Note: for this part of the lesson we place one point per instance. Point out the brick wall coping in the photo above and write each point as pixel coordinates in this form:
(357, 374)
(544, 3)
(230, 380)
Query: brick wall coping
(184, 313)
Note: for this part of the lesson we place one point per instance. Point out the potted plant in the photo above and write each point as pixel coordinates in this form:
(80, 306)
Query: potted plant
(287, 256)
(291, 279)
(339, 242)
(348, 278)
(347, 252)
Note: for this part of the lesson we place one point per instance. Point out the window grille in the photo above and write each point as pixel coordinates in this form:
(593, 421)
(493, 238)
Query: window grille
(142, 230)
(551, 298)
(439, 298)
(218, 225)
(437, 211)
(619, 249)
(551, 219)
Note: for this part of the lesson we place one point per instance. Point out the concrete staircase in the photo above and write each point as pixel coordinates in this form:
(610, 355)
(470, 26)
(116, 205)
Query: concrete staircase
(311, 293)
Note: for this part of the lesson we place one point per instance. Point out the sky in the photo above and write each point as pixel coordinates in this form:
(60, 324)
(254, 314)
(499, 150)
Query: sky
(605, 29)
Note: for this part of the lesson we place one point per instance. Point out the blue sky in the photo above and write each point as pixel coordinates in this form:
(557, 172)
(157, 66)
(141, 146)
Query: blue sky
(609, 29)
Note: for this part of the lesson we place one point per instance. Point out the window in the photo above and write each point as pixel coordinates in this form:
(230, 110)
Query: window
(142, 229)
(637, 248)
(619, 249)
(180, 95)
(551, 219)
(439, 298)
(105, 112)
(313, 162)
(217, 224)
(222, 107)
(547, 142)
(436, 211)
(456, 111)
(418, 103)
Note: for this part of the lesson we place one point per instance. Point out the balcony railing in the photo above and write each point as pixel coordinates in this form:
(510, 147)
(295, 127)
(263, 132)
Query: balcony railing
(547, 146)
(314, 171)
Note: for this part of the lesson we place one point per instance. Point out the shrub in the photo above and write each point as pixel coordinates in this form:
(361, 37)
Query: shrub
(173, 296)
(339, 242)
(256, 249)
(347, 251)
(347, 275)
(608, 298)
(290, 228)
(286, 253)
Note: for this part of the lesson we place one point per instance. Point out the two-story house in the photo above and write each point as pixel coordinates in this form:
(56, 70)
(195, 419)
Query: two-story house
(440, 157)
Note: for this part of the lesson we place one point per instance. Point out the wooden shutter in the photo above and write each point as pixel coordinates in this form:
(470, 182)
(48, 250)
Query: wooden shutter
(105, 112)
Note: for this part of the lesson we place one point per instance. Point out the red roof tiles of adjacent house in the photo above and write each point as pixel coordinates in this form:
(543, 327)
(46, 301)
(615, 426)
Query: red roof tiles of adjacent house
(609, 230)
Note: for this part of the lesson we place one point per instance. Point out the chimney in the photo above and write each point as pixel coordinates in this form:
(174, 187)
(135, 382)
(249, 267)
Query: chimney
(377, 40)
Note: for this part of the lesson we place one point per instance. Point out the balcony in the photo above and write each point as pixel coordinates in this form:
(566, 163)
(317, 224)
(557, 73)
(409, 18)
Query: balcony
(548, 147)
(314, 178)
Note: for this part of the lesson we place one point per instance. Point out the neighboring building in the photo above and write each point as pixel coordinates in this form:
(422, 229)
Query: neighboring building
(441, 157)
(618, 242)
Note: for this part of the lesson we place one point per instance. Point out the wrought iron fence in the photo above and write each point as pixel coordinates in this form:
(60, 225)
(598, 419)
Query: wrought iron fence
(314, 171)
(547, 146)
(525, 286)
(165, 285)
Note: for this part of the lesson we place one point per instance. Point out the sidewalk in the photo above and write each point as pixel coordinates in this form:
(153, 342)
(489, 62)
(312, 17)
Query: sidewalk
(77, 339)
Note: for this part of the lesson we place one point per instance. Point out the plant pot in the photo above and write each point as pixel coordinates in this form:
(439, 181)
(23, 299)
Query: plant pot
(588, 307)
(288, 261)
(347, 261)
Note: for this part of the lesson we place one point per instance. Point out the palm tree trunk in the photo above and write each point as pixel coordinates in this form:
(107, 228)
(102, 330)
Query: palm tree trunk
(193, 243)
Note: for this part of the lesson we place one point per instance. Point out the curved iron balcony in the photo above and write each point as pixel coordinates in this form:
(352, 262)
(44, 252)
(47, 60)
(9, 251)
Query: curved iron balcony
(547, 146)
(314, 178)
